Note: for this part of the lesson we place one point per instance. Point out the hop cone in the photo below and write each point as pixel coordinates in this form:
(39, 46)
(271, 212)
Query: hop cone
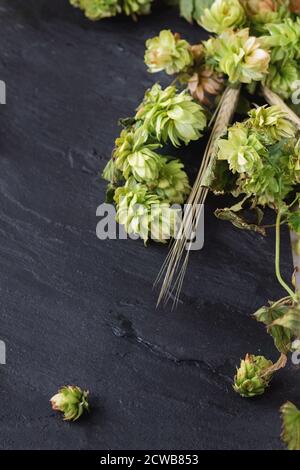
(137, 7)
(242, 150)
(223, 14)
(173, 184)
(72, 401)
(98, 9)
(238, 55)
(168, 52)
(262, 12)
(204, 84)
(282, 77)
(250, 379)
(144, 214)
(271, 123)
(283, 39)
(169, 115)
(132, 156)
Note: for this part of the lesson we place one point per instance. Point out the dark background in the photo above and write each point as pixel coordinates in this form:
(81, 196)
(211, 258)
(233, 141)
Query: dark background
(78, 310)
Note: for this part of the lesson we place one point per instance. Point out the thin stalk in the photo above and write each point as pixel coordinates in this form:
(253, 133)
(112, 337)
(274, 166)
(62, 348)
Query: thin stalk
(277, 258)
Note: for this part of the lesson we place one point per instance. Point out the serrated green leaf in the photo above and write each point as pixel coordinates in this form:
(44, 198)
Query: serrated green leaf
(222, 179)
(290, 435)
(294, 221)
(282, 336)
(290, 320)
(110, 192)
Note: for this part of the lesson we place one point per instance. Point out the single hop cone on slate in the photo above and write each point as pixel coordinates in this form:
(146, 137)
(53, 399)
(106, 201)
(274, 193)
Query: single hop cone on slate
(72, 401)
(251, 378)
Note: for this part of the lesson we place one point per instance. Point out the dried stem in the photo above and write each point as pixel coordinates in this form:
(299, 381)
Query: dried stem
(175, 265)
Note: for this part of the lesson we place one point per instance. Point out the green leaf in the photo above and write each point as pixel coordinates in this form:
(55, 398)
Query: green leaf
(187, 9)
(222, 180)
(238, 220)
(111, 173)
(294, 221)
(290, 435)
(290, 320)
(126, 122)
(110, 192)
(282, 336)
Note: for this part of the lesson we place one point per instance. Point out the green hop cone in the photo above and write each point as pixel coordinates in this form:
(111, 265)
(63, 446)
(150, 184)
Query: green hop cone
(283, 39)
(262, 12)
(168, 52)
(223, 14)
(283, 77)
(137, 7)
(271, 124)
(290, 435)
(133, 156)
(166, 114)
(98, 9)
(242, 150)
(173, 184)
(144, 214)
(238, 55)
(251, 379)
(72, 401)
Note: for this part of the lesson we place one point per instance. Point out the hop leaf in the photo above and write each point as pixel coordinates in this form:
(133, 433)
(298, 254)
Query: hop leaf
(238, 55)
(290, 435)
(169, 115)
(271, 123)
(282, 336)
(252, 377)
(168, 52)
(144, 214)
(290, 320)
(223, 14)
(72, 401)
(294, 221)
(98, 9)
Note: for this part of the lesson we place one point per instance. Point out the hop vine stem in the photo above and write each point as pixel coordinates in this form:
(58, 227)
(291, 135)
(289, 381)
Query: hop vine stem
(277, 258)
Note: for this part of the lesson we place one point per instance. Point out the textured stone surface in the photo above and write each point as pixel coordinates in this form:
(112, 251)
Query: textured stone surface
(77, 310)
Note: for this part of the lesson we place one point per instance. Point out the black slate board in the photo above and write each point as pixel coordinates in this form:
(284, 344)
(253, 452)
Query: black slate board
(78, 310)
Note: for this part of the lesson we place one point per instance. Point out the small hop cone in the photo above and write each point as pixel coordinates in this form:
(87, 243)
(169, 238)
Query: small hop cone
(168, 52)
(223, 14)
(250, 64)
(72, 401)
(204, 84)
(251, 378)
